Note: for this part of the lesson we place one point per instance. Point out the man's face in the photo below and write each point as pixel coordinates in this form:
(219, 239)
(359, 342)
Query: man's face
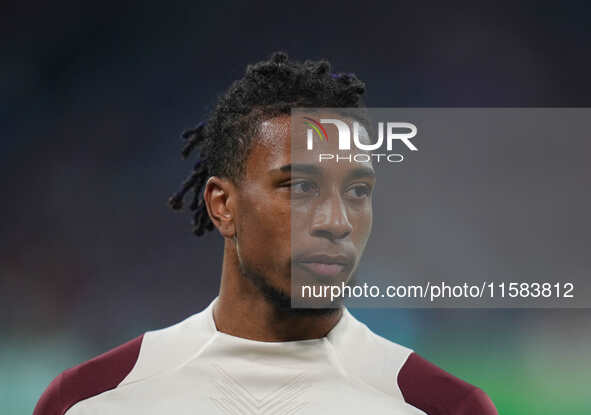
(298, 218)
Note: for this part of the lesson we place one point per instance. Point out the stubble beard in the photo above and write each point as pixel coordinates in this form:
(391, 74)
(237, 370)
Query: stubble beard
(278, 298)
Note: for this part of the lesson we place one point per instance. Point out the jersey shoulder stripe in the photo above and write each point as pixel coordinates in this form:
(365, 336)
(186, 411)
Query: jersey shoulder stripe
(436, 392)
(88, 379)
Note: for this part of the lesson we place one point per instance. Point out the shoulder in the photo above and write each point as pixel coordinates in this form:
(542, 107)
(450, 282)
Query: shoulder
(145, 356)
(366, 356)
(90, 378)
(400, 372)
(435, 391)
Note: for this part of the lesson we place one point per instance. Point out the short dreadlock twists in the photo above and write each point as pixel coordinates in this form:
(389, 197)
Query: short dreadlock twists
(268, 88)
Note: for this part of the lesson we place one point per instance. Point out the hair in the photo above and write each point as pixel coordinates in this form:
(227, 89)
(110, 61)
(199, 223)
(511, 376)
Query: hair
(269, 88)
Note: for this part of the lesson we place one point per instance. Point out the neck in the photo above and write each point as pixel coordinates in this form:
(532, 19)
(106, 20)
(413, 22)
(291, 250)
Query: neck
(243, 311)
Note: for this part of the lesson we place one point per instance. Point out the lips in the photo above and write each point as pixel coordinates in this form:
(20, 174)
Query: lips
(325, 265)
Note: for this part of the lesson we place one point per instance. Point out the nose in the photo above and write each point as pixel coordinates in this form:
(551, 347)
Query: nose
(330, 219)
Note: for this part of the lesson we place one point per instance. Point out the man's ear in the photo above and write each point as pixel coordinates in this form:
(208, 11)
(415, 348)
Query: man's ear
(219, 196)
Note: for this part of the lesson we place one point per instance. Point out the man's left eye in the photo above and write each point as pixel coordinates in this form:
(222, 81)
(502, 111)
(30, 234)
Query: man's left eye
(358, 191)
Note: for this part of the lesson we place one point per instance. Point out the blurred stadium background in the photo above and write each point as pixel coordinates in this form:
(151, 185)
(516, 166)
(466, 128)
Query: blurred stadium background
(94, 99)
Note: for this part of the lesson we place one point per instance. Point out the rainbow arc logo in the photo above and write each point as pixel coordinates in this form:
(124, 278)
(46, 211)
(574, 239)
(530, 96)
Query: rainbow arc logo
(316, 126)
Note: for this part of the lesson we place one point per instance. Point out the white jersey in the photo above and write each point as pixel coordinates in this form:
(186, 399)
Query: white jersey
(192, 368)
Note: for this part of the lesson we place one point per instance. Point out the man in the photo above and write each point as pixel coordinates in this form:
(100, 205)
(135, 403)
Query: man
(249, 351)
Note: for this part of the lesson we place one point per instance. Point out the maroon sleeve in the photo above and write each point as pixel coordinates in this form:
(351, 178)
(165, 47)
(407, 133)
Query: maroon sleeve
(88, 379)
(436, 392)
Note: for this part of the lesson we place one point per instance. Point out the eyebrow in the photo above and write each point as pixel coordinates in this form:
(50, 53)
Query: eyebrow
(355, 173)
(360, 172)
(302, 168)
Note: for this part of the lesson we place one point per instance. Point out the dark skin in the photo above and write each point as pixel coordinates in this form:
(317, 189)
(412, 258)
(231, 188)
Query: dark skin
(331, 203)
